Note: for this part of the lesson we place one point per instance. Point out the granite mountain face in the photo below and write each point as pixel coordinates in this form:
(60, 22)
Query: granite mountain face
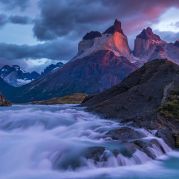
(113, 39)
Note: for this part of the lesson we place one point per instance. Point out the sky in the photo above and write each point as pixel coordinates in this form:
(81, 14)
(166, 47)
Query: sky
(36, 33)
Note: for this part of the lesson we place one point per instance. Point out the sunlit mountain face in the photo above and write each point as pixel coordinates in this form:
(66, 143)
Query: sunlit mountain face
(33, 37)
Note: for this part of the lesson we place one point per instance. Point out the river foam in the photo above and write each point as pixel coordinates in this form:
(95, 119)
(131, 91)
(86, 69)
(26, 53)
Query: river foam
(45, 142)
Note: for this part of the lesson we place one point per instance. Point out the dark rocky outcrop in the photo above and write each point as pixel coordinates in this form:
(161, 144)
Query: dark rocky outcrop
(92, 35)
(3, 101)
(177, 43)
(51, 68)
(144, 98)
(148, 34)
(125, 134)
(116, 27)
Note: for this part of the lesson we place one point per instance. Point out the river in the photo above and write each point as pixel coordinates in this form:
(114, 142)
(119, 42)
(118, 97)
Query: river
(44, 142)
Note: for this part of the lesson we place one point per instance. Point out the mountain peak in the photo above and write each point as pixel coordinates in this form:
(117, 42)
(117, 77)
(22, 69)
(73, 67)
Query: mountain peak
(116, 27)
(148, 34)
(177, 43)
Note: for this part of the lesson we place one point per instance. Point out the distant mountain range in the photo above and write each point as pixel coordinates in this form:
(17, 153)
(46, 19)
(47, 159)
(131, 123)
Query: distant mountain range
(103, 60)
(16, 76)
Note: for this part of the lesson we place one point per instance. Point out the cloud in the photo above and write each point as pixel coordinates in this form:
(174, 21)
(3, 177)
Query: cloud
(19, 20)
(3, 20)
(54, 50)
(176, 24)
(61, 18)
(168, 36)
(12, 4)
(14, 19)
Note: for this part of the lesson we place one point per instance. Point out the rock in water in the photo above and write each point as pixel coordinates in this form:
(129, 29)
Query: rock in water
(3, 101)
(147, 98)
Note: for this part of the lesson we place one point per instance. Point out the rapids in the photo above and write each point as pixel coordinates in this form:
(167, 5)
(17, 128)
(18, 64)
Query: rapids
(49, 142)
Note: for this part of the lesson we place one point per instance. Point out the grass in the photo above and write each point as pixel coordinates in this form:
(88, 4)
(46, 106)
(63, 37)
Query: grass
(170, 108)
(76, 98)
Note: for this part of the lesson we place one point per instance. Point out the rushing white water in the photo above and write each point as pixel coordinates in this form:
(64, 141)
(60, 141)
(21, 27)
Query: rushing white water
(65, 142)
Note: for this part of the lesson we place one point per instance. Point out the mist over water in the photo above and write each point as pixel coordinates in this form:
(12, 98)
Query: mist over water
(49, 142)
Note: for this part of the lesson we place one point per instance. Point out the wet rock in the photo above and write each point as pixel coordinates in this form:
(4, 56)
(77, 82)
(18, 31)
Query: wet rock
(95, 153)
(125, 134)
(167, 136)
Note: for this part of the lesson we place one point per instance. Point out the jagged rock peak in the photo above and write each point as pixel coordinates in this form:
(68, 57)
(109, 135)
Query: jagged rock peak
(91, 35)
(116, 27)
(148, 34)
(177, 43)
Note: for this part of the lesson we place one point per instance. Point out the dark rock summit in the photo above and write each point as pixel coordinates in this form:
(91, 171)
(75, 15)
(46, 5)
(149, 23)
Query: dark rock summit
(51, 68)
(145, 44)
(143, 99)
(92, 35)
(116, 27)
(177, 43)
(148, 34)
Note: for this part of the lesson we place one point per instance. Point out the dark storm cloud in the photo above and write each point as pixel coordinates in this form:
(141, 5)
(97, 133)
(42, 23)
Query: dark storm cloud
(23, 20)
(60, 18)
(3, 20)
(12, 4)
(20, 20)
(52, 50)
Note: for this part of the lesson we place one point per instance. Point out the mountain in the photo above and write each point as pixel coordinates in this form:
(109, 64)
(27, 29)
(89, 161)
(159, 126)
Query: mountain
(52, 68)
(94, 69)
(149, 46)
(149, 98)
(113, 39)
(91, 74)
(15, 76)
(146, 42)
(6, 89)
